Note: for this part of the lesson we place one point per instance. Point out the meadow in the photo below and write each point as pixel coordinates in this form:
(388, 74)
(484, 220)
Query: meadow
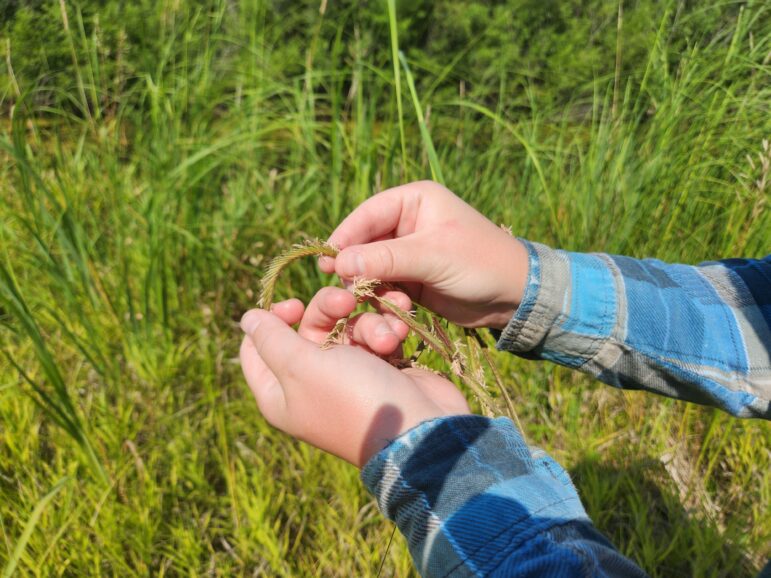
(154, 157)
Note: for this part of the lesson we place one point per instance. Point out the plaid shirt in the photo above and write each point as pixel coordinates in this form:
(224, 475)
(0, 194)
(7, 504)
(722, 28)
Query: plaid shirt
(473, 499)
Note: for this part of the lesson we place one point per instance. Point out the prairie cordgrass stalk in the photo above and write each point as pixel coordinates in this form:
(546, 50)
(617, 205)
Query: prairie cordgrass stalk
(466, 361)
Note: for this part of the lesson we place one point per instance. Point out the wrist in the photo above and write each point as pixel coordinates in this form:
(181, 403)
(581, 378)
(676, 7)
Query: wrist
(391, 423)
(514, 267)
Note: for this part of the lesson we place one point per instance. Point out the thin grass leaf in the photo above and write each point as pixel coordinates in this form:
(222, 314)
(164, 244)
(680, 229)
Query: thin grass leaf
(476, 343)
(433, 159)
(525, 144)
(57, 403)
(29, 527)
(392, 23)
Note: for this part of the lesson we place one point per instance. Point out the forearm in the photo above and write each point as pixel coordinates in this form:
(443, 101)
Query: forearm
(698, 333)
(472, 499)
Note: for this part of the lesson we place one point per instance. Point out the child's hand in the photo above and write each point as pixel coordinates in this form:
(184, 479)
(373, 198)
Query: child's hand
(344, 400)
(449, 257)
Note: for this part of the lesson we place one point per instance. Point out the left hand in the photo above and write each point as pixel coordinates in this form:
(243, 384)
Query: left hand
(345, 400)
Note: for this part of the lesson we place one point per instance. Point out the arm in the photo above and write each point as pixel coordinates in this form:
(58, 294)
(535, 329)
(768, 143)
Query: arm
(695, 333)
(473, 500)
(466, 491)
(698, 333)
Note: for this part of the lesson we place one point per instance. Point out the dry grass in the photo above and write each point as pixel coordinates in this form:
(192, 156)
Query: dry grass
(467, 359)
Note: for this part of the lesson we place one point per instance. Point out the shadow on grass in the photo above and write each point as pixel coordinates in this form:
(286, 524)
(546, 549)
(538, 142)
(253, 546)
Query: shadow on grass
(638, 508)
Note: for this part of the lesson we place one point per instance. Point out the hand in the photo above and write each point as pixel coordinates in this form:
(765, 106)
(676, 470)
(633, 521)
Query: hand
(344, 400)
(447, 256)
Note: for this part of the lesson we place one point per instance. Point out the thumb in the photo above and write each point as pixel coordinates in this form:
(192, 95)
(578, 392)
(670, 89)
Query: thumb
(404, 259)
(277, 344)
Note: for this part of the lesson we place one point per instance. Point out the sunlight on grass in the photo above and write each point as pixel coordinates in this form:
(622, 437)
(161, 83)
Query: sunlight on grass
(144, 197)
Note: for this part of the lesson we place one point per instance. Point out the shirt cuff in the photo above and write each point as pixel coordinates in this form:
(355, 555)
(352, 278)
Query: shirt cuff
(569, 308)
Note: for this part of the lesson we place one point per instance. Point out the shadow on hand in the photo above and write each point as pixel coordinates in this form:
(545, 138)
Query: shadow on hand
(385, 427)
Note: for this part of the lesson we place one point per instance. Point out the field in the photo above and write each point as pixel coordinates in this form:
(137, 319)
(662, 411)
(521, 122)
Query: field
(152, 161)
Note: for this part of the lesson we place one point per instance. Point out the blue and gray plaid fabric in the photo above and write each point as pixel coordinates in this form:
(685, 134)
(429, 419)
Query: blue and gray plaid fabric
(469, 495)
(701, 333)
(473, 500)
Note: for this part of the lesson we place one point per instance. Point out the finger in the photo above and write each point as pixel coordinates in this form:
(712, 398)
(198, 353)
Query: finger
(395, 296)
(279, 346)
(402, 301)
(397, 354)
(327, 264)
(328, 306)
(375, 332)
(410, 259)
(263, 384)
(289, 311)
(399, 327)
(378, 216)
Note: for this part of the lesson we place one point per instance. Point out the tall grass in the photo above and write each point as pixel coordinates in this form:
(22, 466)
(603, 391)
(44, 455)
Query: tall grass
(138, 212)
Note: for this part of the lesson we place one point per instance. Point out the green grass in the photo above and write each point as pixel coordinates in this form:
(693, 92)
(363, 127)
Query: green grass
(136, 219)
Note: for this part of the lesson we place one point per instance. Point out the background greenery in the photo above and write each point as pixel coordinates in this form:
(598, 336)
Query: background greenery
(154, 154)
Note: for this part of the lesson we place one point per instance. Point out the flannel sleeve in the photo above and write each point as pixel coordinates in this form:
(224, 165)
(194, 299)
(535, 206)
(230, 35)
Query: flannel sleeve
(698, 333)
(472, 499)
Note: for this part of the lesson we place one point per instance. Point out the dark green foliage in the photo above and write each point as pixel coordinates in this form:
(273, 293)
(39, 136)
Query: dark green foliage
(495, 47)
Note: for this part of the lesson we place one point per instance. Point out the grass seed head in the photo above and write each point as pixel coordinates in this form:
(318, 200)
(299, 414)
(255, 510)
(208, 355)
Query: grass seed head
(465, 364)
(311, 247)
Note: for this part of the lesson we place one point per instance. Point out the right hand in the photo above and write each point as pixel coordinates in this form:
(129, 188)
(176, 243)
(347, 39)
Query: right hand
(446, 255)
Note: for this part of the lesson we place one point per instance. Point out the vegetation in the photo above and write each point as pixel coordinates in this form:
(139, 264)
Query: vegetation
(156, 155)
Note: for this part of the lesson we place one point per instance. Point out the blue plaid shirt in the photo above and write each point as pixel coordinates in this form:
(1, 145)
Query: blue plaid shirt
(473, 499)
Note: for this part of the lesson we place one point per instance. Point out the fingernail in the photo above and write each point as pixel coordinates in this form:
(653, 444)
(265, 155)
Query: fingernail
(384, 329)
(326, 262)
(352, 265)
(249, 322)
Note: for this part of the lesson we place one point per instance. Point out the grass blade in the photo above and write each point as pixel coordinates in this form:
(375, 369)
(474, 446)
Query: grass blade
(397, 76)
(433, 159)
(58, 403)
(29, 527)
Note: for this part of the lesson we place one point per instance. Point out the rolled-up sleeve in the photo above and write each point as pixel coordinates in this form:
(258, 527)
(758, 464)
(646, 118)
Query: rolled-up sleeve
(473, 499)
(698, 333)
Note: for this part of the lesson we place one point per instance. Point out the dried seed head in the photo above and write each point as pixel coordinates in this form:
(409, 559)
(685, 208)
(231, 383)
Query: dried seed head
(309, 248)
(364, 288)
(337, 334)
